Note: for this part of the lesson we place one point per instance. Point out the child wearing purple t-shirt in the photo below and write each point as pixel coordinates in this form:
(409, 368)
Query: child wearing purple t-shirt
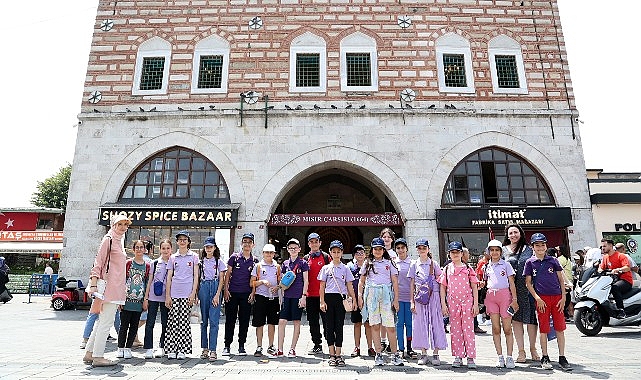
(182, 283)
(212, 271)
(404, 315)
(265, 278)
(154, 302)
(335, 284)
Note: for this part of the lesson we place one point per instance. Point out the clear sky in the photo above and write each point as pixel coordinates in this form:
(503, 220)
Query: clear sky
(45, 57)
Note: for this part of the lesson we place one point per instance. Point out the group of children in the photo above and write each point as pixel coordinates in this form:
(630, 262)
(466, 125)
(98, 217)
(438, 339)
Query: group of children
(387, 292)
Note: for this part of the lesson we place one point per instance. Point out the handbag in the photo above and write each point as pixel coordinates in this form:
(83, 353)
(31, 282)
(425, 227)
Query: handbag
(348, 302)
(101, 283)
(288, 278)
(424, 291)
(159, 286)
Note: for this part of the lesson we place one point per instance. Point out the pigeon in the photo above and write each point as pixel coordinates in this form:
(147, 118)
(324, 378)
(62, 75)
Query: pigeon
(270, 107)
(447, 106)
(362, 107)
(452, 107)
(201, 108)
(316, 107)
(431, 107)
(127, 109)
(288, 107)
(408, 106)
(333, 106)
(299, 107)
(348, 106)
(390, 106)
(180, 109)
(212, 107)
(141, 109)
(96, 111)
(152, 109)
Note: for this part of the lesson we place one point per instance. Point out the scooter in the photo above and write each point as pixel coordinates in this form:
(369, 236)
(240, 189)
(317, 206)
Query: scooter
(596, 308)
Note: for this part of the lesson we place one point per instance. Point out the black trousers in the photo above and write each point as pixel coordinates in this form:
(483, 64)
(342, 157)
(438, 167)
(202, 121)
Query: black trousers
(619, 288)
(239, 307)
(334, 319)
(128, 328)
(313, 312)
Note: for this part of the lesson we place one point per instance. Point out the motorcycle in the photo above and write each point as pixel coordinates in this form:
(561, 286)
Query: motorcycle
(596, 308)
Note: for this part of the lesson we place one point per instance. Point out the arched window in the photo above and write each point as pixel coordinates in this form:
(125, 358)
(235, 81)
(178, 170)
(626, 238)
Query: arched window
(176, 173)
(454, 62)
(492, 176)
(359, 64)
(307, 64)
(211, 66)
(506, 64)
(152, 67)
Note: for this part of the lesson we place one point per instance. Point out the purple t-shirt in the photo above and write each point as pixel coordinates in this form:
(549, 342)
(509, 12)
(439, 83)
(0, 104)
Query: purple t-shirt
(213, 268)
(241, 270)
(420, 272)
(160, 274)
(356, 272)
(268, 272)
(336, 278)
(404, 293)
(295, 290)
(382, 273)
(182, 281)
(544, 277)
(498, 274)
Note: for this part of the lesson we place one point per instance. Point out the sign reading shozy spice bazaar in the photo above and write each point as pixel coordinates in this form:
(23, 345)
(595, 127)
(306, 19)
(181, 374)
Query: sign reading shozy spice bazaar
(499, 217)
(218, 217)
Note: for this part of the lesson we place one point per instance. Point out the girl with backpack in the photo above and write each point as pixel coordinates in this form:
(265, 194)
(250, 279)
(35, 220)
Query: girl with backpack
(137, 275)
(378, 290)
(210, 293)
(182, 283)
(155, 299)
(458, 282)
(425, 304)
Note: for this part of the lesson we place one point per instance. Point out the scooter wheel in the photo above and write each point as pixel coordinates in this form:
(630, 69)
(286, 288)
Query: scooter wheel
(58, 304)
(588, 321)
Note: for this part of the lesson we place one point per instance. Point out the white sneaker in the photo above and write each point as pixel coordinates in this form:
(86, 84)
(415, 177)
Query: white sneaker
(171, 355)
(509, 362)
(149, 354)
(423, 360)
(436, 361)
(397, 360)
(457, 362)
(160, 352)
(83, 344)
(378, 360)
(181, 356)
(500, 363)
(121, 353)
(126, 353)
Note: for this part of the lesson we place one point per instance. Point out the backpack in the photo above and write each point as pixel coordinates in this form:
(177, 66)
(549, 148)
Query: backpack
(326, 258)
(147, 268)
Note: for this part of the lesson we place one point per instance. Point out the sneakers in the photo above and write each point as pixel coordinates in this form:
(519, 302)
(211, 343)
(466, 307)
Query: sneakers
(397, 360)
(500, 362)
(149, 354)
(258, 352)
(83, 344)
(411, 354)
(423, 360)
(470, 363)
(457, 362)
(171, 355)
(160, 352)
(126, 353)
(121, 353)
(226, 352)
(277, 354)
(317, 349)
(241, 351)
(545, 362)
(435, 360)
(109, 337)
(290, 354)
(356, 352)
(371, 352)
(181, 356)
(509, 362)
(621, 314)
(563, 362)
(378, 360)
(271, 350)
(478, 330)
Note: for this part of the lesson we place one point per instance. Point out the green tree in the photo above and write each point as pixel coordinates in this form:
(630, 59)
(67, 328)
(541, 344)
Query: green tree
(52, 192)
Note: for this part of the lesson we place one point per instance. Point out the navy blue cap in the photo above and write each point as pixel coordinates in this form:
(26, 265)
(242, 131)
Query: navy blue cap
(336, 244)
(209, 241)
(455, 246)
(313, 235)
(358, 247)
(400, 241)
(378, 242)
(184, 233)
(421, 242)
(538, 237)
(248, 235)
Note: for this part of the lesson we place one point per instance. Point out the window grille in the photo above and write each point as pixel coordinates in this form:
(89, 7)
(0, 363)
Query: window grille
(211, 71)
(152, 73)
(454, 67)
(506, 71)
(307, 70)
(359, 69)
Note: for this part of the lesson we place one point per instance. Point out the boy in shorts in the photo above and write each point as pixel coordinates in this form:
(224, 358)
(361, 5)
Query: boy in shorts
(544, 280)
(265, 278)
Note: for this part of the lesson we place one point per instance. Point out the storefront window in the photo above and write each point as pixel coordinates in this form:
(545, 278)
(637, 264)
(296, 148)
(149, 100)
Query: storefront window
(492, 176)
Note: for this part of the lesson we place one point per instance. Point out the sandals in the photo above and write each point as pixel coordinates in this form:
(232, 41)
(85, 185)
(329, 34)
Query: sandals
(535, 356)
(205, 354)
(212, 356)
(340, 362)
(332, 361)
(521, 357)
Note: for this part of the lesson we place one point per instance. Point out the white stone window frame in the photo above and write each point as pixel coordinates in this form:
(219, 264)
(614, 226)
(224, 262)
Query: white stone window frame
(212, 45)
(154, 47)
(359, 43)
(504, 45)
(308, 43)
(452, 43)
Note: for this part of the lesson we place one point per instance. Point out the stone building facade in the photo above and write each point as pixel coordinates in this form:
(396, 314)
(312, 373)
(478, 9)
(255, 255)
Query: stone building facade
(442, 119)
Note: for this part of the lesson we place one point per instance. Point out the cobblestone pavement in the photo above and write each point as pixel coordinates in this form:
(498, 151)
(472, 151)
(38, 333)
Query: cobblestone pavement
(37, 342)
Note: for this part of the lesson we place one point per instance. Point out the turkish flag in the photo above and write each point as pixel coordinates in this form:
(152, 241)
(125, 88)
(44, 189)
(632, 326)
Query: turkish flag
(18, 221)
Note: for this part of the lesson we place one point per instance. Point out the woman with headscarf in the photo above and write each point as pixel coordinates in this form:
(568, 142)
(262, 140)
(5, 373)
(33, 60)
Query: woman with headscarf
(5, 295)
(108, 267)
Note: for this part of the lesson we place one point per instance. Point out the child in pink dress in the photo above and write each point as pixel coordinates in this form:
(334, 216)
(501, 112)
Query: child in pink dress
(458, 281)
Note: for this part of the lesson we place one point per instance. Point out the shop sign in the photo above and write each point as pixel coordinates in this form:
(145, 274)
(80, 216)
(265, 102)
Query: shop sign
(45, 236)
(498, 217)
(317, 220)
(213, 217)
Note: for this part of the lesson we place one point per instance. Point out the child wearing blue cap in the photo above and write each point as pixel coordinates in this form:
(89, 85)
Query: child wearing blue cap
(404, 315)
(210, 291)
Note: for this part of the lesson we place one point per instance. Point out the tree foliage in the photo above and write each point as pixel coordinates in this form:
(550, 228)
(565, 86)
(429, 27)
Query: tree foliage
(52, 192)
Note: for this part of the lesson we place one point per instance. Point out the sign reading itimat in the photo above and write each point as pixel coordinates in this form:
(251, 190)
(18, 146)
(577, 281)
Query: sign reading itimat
(557, 217)
(49, 236)
(315, 220)
(215, 217)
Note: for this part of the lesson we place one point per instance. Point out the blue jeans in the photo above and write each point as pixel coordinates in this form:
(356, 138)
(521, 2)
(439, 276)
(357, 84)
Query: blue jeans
(152, 312)
(404, 320)
(91, 320)
(210, 314)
